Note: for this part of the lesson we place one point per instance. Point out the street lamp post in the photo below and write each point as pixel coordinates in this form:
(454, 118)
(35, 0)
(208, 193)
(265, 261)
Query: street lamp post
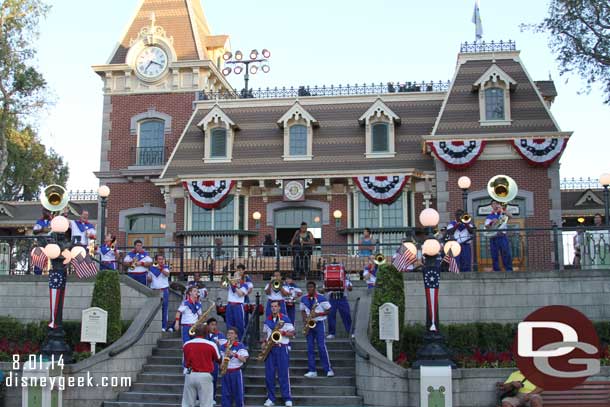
(604, 179)
(434, 352)
(103, 192)
(248, 66)
(464, 184)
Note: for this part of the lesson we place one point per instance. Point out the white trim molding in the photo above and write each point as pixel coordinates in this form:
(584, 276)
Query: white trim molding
(147, 209)
(494, 77)
(379, 112)
(150, 114)
(217, 118)
(297, 115)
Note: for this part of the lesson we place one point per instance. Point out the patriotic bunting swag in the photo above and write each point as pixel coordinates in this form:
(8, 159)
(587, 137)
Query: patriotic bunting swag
(381, 189)
(540, 152)
(209, 194)
(458, 154)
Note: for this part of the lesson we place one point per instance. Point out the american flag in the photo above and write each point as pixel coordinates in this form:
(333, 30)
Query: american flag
(453, 266)
(404, 259)
(84, 266)
(39, 259)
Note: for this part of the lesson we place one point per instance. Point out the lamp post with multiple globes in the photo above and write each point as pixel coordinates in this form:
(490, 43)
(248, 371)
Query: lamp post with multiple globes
(248, 66)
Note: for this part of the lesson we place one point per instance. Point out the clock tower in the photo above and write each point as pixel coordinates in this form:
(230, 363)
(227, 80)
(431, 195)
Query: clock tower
(165, 57)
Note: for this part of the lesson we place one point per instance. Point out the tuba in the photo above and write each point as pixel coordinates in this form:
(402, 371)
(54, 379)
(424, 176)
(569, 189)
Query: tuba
(201, 320)
(54, 198)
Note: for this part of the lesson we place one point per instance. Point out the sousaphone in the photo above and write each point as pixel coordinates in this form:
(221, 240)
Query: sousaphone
(54, 198)
(502, 188)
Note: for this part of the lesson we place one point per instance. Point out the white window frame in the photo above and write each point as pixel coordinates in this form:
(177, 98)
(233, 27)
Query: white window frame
(217, 118)
(297, 115)
(494, 77)
(379, 112)
(188, 220)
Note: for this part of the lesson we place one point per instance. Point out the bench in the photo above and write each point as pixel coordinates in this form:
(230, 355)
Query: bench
(588, 394)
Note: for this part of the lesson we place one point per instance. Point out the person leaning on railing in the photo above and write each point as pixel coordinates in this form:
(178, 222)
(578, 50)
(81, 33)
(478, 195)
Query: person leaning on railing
(302, 246)
(366, 244)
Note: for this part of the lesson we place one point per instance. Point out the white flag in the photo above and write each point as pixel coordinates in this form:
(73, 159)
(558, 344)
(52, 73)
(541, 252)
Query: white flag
(476, 19)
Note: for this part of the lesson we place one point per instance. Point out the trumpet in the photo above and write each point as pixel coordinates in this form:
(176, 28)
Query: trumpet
(133, 264)
(276, 337)
(379, 259)
(155, 264)
(226, 281)
(466, 218)
(201, 320)
(277, 284)
(91, 248)
(310, 322)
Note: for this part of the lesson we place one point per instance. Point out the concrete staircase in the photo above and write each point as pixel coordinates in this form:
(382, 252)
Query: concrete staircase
(161, 380)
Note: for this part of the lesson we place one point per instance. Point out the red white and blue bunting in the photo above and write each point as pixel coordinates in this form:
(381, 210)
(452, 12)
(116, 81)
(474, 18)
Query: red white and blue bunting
(209, 194)
(540, 152)
(458, 154)
(381, 189)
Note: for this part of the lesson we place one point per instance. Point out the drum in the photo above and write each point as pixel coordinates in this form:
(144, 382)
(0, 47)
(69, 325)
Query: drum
(334, 277)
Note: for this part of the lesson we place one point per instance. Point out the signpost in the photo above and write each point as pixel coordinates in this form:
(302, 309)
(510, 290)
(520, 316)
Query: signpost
(93, 326)
(388, 326)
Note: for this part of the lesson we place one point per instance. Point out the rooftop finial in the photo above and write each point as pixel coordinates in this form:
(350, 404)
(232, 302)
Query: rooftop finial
(153, 19)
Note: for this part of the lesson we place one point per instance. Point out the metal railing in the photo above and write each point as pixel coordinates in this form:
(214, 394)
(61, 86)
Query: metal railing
(579, 184)
(78, 195)
(483, 46)
(340, 90)
(532, 249)
(150, 156)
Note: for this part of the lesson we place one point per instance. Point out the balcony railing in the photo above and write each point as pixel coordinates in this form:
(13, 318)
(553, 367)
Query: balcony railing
(483, 46)
(579, 184)
(150, 156)
(346, 90)
(533, 249)
(78, 195)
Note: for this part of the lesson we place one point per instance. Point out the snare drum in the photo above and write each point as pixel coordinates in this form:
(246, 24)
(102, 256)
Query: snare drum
(334, 277)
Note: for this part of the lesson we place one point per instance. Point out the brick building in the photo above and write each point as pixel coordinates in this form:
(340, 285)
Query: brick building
(175, 132)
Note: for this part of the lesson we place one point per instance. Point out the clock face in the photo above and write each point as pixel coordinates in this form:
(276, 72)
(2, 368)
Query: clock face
(151, 62)
(294, 191)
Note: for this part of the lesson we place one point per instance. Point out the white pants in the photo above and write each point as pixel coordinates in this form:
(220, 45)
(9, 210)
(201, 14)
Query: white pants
(197, 384)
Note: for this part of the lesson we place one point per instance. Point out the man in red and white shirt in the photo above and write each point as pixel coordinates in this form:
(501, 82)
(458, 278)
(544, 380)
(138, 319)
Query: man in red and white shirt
(199, 358)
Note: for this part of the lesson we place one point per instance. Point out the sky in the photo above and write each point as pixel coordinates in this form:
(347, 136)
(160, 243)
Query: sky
(312, 43)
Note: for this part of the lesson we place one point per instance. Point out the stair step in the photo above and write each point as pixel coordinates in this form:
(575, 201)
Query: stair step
(296, 344)
(253, 369)
(336, 353)
(294, 361)
(313, 400)
(250, 378)
(252, 389)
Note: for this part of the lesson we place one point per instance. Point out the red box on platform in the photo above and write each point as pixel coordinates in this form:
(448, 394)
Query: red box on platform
(334, 277)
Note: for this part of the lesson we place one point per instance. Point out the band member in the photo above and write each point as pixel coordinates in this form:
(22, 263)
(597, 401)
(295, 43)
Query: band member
(317, 333)
(250, 284)
(188, 313)
(214, 335)
(236, 292)
(294, 293)
(370, 274)
(462, 233)
(498, 243)
(367, 244)
(108, 253)
(276, 294)
(159, 281)
(233, 380)
(82, 230)
(42, 227)
(199, 357)
(302, 247)
(196, 282)
(138, 262)
(339, 302)
(278, 360)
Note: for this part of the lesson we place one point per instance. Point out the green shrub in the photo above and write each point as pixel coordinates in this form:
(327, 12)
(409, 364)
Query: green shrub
(389, 287)
(107, 296)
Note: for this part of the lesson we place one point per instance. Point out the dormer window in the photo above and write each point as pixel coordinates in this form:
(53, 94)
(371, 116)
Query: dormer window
(219, 132)
(494, 88)
(298, 127)
(380, 121)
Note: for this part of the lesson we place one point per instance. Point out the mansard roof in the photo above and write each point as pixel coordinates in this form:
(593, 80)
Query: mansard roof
(460, 112)
(183, 20)
(338, 144)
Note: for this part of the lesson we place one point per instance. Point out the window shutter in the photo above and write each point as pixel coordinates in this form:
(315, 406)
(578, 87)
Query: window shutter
(218, 143)
(380, 137)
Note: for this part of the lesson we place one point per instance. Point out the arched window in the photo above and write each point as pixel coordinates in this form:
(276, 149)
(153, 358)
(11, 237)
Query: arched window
(298, 140)
(147, 228)
(151, 143)
(380, 135)
(494, 104)
(218, 143)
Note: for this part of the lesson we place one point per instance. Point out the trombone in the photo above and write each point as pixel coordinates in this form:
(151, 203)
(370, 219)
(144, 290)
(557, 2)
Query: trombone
(466, 218)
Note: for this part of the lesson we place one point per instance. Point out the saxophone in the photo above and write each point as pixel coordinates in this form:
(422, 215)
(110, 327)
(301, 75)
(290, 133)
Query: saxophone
(201, 320)
(310, 322)
(225, 360)
(275, 337)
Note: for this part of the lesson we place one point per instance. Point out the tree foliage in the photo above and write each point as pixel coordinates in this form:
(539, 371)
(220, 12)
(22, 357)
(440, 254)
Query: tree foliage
(22, 87)
(30, 167)
(579, 35)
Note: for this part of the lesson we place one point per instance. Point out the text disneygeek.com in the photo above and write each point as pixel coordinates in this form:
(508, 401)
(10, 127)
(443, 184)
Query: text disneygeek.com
(14, 379)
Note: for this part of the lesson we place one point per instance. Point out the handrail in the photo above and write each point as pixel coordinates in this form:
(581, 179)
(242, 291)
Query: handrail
(133, 340)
